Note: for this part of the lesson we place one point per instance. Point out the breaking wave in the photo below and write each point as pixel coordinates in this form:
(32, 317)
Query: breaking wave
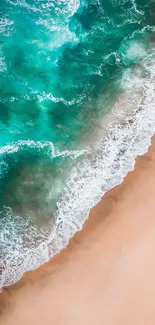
(76, 108)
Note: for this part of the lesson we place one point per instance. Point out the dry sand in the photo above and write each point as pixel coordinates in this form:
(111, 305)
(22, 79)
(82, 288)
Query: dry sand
(107, 273)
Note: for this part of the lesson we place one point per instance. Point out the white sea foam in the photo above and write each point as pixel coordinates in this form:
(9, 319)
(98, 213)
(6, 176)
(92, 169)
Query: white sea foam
(127, 136)
(136, 51)
(59, 34)
(24, 4)
(6, 26)
(61, 6)
(18, 145)
(48, 96)
(58, 28)
(2, 65)
(139, 12)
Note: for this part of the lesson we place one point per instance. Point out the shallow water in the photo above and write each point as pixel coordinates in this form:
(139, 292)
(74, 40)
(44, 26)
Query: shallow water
(76, 88)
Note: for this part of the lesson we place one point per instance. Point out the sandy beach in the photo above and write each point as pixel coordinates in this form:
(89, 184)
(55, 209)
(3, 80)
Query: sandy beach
(107, 273)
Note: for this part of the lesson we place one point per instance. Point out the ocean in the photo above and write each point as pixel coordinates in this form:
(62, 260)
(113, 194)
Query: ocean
(77, 94)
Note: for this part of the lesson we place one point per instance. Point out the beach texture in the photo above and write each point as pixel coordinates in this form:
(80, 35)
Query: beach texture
(106, 274)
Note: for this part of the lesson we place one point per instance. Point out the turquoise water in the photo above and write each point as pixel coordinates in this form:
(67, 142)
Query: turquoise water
(63, 66)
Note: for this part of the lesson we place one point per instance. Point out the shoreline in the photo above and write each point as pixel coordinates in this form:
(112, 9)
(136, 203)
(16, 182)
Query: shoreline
(96, 275)
(129, 134)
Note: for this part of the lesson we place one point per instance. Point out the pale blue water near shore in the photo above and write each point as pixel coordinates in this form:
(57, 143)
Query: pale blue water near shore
(77, 94)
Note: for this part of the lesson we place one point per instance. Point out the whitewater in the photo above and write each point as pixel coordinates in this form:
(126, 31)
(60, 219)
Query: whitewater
(53, 170)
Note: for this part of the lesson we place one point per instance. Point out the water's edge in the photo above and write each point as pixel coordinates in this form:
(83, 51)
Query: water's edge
(100, 174)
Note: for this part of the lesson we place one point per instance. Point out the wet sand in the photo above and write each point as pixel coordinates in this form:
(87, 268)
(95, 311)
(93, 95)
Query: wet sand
(107, 273)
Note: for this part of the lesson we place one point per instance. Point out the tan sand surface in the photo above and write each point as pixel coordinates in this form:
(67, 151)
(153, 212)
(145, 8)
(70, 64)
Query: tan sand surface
(107, 273)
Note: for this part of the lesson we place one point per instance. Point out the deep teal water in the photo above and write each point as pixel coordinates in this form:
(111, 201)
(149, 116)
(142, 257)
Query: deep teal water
(61, 63)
